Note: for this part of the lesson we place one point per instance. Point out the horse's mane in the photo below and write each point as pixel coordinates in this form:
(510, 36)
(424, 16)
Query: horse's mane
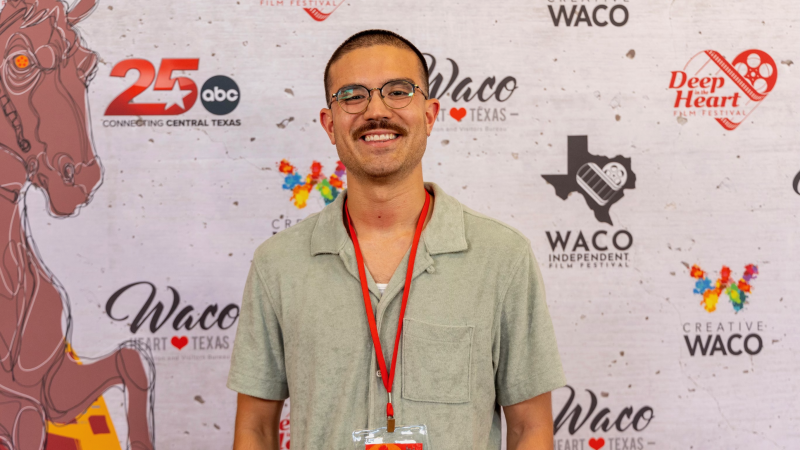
(34, 12)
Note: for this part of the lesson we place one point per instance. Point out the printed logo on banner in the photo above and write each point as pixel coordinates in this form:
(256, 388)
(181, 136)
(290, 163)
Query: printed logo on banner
(136, 305)
(50, 397)
(726, 337)
(283, 222)
(301, 187)
(599, 16)
(602, 182)
(319, 10)
(219, 95)
(710, 86)
(589, 426)
(737, 292)
(469, 105)
(284, 433)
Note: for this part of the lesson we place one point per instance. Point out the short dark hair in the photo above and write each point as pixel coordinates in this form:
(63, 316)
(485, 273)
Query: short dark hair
(369, 38)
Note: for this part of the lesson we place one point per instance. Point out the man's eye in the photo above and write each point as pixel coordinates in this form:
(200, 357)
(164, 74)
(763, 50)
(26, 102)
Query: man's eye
(352, 97)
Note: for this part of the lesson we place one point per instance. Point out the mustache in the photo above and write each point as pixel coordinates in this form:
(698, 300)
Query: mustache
(381, 124)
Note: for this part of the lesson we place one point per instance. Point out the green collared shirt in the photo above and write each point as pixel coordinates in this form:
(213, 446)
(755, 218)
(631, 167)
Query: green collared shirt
(477, 332)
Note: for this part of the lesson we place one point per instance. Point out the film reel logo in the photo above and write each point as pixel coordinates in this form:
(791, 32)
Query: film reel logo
(602, 185)
(711, 86)
(319, 10)
(324, 11)
(759, 69)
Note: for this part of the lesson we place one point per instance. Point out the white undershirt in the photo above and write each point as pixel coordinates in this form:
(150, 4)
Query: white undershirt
(381, 287)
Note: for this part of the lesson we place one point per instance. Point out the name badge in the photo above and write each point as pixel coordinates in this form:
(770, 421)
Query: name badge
(413, 437)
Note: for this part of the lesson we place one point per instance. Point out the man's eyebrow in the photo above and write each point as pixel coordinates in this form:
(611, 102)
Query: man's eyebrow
(402, 79)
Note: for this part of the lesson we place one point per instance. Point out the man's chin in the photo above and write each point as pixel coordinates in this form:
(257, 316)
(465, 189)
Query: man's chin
(379, 161)
(382, 172)
(385, 162)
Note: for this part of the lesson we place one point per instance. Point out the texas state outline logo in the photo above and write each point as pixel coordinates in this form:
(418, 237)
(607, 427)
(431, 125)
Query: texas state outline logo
(711, 86)
(601, 180)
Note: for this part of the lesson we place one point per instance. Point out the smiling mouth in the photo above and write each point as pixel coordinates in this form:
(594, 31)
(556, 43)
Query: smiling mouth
(379, 137)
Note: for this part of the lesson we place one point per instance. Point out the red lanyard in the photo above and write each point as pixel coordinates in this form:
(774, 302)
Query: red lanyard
(386, 376)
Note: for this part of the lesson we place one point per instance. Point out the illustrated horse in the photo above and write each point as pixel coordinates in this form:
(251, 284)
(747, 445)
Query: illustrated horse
(46, 142)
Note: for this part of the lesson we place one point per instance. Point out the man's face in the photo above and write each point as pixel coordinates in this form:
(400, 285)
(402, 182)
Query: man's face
(381, 143)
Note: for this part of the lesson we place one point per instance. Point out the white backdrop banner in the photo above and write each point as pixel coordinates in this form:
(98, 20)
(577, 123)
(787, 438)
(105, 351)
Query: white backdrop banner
(648, 149)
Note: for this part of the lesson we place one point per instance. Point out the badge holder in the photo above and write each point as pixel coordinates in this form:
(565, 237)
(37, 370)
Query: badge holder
(414, 437)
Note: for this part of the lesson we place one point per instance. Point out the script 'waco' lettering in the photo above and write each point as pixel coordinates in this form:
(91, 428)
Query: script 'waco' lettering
(184, 319)
(487, 89)
(603, 420)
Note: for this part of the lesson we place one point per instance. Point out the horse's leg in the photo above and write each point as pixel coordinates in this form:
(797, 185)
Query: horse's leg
(73, 387)
(22, 423)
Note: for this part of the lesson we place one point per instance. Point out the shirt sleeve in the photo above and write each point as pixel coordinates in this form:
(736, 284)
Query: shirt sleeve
(528, 362)
(257, 364)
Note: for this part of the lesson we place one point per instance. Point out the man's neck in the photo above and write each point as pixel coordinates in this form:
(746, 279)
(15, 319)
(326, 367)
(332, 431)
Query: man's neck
(378, 209)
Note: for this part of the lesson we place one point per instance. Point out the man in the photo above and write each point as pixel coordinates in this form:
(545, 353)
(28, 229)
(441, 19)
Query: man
(475, 333)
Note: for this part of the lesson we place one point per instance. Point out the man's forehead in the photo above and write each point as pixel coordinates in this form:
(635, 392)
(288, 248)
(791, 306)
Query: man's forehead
(376, 64)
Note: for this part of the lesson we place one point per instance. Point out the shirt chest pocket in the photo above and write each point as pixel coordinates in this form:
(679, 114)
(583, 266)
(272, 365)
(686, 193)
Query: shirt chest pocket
(437, 362)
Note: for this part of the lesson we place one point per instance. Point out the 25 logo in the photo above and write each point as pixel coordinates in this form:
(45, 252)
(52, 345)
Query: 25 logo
(220, 94)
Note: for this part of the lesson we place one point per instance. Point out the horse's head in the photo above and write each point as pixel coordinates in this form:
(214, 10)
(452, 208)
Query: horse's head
(44, 75)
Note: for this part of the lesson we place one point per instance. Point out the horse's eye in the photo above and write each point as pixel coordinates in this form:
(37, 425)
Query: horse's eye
(22, 62)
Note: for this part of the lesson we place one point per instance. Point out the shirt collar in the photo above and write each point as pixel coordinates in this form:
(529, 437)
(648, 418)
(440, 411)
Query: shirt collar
(444, 233)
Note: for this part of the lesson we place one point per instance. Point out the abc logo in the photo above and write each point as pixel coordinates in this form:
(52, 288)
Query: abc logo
(220, 95)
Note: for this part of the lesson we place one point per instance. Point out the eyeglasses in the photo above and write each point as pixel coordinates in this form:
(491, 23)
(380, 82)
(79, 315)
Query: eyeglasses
(395, 94)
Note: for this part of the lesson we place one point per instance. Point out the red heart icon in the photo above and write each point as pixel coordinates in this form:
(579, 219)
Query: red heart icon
(179, 342)
(597, 444)
(458, 113)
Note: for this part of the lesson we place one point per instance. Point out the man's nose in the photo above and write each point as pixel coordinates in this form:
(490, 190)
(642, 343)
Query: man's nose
(376, 109)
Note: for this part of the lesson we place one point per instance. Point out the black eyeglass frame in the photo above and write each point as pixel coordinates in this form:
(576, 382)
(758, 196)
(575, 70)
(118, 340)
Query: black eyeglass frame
(380, 91)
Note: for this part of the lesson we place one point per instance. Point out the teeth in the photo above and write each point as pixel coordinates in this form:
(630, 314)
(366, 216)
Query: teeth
(379, 137)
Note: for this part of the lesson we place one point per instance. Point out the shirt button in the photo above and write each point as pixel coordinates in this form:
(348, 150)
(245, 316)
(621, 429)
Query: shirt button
(379, 374)
(430, 269)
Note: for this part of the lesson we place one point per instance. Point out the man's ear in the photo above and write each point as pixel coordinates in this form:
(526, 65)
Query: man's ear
(432, 107)
(326, 120)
